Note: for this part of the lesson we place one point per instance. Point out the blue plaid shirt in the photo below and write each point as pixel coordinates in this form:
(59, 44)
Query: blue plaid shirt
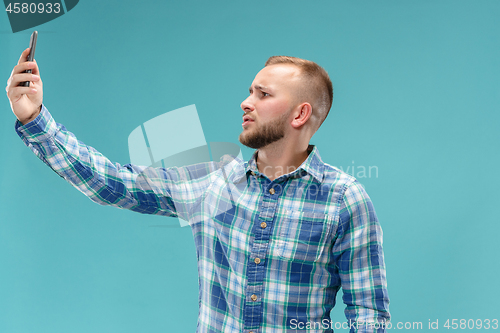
(272, 255)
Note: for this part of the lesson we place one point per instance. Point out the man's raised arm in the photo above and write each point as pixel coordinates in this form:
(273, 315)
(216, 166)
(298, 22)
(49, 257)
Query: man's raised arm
(169, 192)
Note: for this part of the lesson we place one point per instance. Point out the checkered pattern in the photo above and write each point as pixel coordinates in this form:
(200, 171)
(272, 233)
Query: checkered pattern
(271, 254)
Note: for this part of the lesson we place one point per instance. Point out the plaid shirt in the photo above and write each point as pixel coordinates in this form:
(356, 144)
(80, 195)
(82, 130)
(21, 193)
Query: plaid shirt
(271, 254)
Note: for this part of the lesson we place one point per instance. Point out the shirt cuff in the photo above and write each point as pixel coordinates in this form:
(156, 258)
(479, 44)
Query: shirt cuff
(39, 128)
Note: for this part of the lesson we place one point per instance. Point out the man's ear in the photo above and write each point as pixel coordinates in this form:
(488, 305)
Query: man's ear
(302, 114)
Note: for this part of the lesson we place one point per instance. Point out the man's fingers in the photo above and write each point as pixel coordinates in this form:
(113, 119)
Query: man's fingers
(35, 69)
(19, 76)
(15, 93)
(22, 77)
(23, 64)
(23, 67)
(24, 56)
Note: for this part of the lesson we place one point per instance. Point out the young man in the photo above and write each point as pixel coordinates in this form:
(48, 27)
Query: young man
(276, 236)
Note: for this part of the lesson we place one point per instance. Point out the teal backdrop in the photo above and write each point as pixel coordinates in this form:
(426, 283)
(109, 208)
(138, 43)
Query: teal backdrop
(417, 95)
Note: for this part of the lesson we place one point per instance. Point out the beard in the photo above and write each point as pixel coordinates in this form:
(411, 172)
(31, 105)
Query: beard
(264, 134)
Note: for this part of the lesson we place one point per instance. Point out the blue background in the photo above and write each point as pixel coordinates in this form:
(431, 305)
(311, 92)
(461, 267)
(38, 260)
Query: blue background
(416, 94)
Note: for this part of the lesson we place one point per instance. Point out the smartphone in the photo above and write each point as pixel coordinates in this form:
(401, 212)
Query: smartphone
(31, 56)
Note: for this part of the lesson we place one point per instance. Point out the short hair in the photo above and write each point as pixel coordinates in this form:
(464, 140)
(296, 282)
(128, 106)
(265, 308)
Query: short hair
(320, 89)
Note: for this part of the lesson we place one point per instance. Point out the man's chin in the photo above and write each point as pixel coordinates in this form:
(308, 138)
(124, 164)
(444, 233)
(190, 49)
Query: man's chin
(243, 138)
(260, 138)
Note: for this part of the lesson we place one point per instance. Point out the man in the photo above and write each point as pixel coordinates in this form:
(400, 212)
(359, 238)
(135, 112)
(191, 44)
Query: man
(276, 236)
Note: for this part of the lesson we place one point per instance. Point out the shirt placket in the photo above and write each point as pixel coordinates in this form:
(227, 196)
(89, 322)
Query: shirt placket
(262, 230)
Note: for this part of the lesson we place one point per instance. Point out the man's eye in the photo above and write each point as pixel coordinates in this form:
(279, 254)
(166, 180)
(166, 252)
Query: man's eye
(265, 94)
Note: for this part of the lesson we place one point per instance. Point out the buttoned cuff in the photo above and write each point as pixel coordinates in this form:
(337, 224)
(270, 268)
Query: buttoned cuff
(39, 128)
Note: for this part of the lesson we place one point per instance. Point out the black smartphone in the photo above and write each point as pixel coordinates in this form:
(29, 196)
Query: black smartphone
(31, 56)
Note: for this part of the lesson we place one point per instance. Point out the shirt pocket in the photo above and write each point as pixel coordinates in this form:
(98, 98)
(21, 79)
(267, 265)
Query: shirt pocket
(305, 236)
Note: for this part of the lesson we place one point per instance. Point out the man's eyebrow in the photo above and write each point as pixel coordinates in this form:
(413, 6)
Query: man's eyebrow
(259, 87)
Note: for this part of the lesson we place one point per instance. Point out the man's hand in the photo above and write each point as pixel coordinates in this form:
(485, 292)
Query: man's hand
(26, 102)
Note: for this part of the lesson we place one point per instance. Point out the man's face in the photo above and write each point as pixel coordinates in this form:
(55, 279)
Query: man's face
(267, 109)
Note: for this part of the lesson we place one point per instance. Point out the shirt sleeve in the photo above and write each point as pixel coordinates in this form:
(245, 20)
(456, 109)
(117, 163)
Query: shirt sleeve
(160, 191)
(360, 261)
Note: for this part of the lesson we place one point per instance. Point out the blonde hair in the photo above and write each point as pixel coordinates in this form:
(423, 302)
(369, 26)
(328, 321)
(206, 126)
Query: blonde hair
(318, 89)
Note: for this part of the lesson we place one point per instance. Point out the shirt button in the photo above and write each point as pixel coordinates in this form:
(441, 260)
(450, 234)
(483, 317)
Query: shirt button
(263, 225)
(253, 297)
(272, 191)
(257, 261)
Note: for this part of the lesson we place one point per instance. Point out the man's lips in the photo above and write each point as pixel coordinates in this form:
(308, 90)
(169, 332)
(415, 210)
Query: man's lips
(246, 120)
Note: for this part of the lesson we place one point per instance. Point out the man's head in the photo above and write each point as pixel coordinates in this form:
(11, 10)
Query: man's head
(289, 95)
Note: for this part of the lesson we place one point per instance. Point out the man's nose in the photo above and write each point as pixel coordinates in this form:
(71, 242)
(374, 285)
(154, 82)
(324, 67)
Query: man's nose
(247, 104)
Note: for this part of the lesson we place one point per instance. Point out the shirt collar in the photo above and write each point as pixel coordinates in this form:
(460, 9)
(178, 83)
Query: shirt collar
(313, 165)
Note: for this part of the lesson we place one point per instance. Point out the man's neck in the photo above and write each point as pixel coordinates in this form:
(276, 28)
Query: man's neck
(278, 158)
